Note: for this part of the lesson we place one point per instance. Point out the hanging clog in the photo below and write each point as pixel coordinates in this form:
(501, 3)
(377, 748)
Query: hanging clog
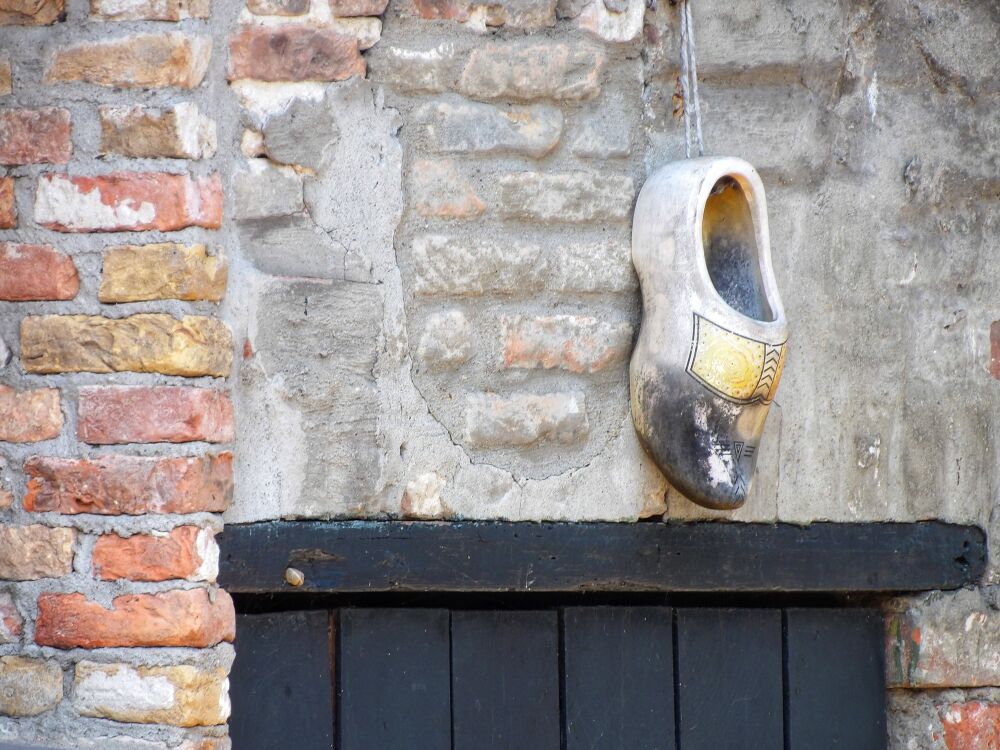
(713, 338)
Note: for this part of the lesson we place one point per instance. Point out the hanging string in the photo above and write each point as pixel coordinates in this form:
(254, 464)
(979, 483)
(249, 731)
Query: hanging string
(689, 85)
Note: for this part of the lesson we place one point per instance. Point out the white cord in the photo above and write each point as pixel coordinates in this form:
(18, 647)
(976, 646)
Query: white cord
(689, 85)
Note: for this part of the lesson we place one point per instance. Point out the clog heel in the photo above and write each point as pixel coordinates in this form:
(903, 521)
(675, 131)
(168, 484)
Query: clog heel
(713, 339)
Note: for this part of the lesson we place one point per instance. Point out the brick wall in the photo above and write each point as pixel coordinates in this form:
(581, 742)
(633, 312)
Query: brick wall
(393, 240)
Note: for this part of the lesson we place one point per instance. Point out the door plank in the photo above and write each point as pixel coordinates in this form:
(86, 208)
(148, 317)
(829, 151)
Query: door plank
(729, 668)
(505, 680)
(619, 678)
(394, 686)
(283, 677)
(836, 680)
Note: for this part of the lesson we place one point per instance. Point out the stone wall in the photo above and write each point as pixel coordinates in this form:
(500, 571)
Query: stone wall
(404, 231)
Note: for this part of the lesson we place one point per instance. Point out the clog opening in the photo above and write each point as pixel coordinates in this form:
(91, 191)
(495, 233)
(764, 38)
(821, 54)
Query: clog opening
(731, 254)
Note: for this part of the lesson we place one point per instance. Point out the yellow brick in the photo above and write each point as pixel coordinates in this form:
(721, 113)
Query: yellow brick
(135, 273)
(190, 346)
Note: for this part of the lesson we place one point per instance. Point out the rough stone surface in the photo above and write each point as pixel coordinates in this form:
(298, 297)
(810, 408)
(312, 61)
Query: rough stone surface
(138, 132)
(188, 618)
(28, 553)
(149, 10)
(11, 621)
(457, 126)
(533, 70)
(187, 552)
(8, 206)
(31, 12)
(128, 201)
(524, 418)
(130, 485)
(263, 191)
(566, 197)
(293, 53)
(611, 24)
(351, 8)
(29, 687)
(164, 414)
(137, 273)
(463, 267)
(531, 15)
(278, 7)
(6, 78)
(29, 416)
(576, 343)
(303, 134)
(446, 340)
(35, 136)
(292, 246)
(995, 349)
(944, 640)
(36, 272)
(971, 726)
(181, 695)
(148, 342)
(165, 60)
(438, 190)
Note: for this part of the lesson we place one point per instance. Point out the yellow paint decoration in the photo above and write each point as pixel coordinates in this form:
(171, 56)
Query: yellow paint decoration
(733, 366)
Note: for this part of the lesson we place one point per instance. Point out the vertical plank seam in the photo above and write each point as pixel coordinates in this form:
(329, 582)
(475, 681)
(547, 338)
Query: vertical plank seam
(677, 678)
(451, 680)
(563, 713)
(333, 623)
(786, 699)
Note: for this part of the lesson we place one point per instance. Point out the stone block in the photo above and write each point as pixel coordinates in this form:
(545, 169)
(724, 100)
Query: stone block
(439, 190)
(304, 134)
(446, 341)
(454, 125)
(470, 267)
(31, 12)
(149, 10)
(263, 191)
(575, 343)
(292, 246)
(533, 70)
(29, 687)
(278, 7)
(28, 553)
(524, 419)
(565, 197)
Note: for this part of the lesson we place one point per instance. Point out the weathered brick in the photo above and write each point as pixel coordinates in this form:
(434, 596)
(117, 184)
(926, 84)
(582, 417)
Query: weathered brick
(278, 7)
(187, 552)
(533, 70)
(129, 485)
(438, 190)
(265, 190)
(29, 687)
(971, 726)
(150, 342)
(995, 349)
(6, 76)
(140, 132)
(459, 126)
(565, 197)
(149, 10)
(29, 416)
(944, 640)
(530, 15)
(524, 419)
(293, 53)
(180, 695)
(28, 553)
(416, 69)
(577, 343)
(594, 267)
(128, 201)
(159, 414)
(141, 61)
(35, 136)
(351, 8)
(135, 273)
(31, 12)
(11, 622)
(36, 272)
(8, 209)
(173, 618)
(446, 341)
(613, 25)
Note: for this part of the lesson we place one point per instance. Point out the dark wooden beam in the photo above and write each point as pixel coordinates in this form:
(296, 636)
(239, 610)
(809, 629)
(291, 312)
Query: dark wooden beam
(373, 556)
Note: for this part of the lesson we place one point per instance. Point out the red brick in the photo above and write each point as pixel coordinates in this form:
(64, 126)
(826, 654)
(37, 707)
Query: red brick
(173, 618)
(110, 415)
(8, 211)
(128, 201)
(971, 726)
(29, 416)
(995, 349)
(351, 8)
(36, 272)
(293, 53)
(187, 552)
(129, 485)
(35, 136)
(577, 343)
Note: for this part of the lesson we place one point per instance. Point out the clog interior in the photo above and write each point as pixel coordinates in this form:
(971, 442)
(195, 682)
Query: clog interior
(731, 253)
